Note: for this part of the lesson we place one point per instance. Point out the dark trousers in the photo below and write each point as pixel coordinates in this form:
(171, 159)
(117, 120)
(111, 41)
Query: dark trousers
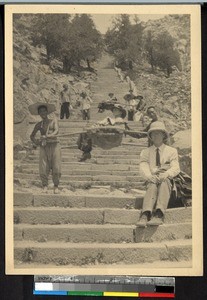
(64, 110)
(86, 114)
(130, 115)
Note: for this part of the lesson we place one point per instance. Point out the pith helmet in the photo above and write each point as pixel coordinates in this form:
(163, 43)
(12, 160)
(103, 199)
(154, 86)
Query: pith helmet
(158, 126)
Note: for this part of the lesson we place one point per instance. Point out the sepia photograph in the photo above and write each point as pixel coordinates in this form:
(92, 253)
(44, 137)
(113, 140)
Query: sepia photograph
(103, 140)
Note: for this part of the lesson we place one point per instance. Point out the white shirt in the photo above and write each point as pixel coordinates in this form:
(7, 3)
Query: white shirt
(168, 160)
(65, 96)
(86, 102)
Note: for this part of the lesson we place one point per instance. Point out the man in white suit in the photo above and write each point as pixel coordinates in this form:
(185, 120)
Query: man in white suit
(159, 165)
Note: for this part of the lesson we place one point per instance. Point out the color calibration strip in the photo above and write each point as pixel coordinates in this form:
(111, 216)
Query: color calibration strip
(107, 294)
(67, 289)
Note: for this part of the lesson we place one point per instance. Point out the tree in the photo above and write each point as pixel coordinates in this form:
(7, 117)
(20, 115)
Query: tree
(124, 41)
(161, 52)
(51, 30)
(150, 49)
(88, 41)
(68, 39)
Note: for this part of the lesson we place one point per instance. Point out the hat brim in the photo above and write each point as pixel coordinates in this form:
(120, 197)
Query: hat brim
(121, 109)
(156, 129)
(33, 108)
(127, 97)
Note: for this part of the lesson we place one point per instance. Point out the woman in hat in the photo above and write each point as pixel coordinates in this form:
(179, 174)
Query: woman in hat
(158, 165)
(50, 152)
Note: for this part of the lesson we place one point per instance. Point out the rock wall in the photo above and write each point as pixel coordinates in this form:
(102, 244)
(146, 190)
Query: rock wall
(34, 79)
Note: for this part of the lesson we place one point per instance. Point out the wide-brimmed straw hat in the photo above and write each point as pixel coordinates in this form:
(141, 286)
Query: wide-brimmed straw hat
(158, 126)
(128, 97)
(120, 107)
(33, 108)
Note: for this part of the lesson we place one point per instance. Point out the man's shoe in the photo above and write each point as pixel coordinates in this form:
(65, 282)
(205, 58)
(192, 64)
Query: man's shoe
(56, 190)
(45, 189)
(85, 156)
(155, 221)
(142, 221)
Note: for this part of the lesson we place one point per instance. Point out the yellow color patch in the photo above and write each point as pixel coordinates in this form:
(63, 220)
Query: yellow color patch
(121, 294)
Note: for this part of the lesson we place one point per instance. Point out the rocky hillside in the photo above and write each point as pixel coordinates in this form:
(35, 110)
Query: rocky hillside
(178, 27)
(34, 79)
(171, 95)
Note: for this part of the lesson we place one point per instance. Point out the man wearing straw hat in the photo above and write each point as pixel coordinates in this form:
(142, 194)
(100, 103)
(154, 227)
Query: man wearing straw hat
(50, 152)
(159, 165)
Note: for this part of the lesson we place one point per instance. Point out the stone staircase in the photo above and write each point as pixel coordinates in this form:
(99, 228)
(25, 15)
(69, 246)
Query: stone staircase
(94, 228)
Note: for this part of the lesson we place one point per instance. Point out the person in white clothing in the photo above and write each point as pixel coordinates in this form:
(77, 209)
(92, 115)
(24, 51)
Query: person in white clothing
(132, 85)
(86, 105)
(159, 165)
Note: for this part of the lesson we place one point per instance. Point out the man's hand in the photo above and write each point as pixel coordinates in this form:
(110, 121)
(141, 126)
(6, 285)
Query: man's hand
(163, 176)
(153, 179)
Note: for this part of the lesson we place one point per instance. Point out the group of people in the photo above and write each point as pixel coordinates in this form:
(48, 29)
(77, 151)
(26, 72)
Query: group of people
(158, 163)
(134, 103)
(66, 103)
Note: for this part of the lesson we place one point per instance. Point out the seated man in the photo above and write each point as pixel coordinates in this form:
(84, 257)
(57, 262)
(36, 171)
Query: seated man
(159, 165)
(85, 145)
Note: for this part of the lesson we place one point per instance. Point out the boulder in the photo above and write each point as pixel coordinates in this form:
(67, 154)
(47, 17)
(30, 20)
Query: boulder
(182, 141)
(19, 155)
(19, 116)
(46, 69)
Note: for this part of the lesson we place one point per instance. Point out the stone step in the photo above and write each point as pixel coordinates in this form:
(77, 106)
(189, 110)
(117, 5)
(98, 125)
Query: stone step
(107, 233)
(82, 177)
(98, 161)
(75, 233)
(165, 232)
(68, 215)
(66, 170)
(78, 153)
(28, 183)
(95, 200)
(133, 150)
(87, 166)
(101, 253)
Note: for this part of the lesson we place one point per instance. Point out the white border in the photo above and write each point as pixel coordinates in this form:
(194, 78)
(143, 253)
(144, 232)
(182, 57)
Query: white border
(194, 11)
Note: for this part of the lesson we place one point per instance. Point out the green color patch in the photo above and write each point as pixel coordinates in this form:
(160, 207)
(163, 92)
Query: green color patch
(84, 293)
